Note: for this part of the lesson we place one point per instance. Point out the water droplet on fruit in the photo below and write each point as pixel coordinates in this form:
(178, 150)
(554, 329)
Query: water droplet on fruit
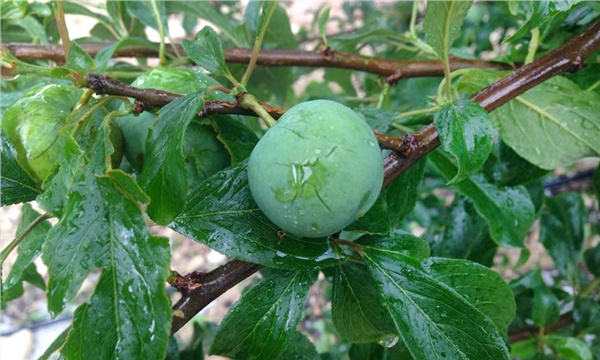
(371, 144)
(587, 124)
(390, 342)
(317, 151)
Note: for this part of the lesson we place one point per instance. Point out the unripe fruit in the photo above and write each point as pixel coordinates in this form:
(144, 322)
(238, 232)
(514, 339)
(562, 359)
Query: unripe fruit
(205, 154)
(317, 170)
(32, 125)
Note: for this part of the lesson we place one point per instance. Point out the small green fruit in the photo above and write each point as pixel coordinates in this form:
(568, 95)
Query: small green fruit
(32, 124)
(317, 170)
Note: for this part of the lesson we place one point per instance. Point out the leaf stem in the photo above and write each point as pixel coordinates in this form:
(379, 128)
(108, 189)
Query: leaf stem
(416, 112)
(258, 42)
(59, 15)
(13, 244)
(161, 33)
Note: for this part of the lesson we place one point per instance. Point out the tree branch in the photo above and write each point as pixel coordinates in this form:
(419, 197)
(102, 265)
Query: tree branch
(395, 69)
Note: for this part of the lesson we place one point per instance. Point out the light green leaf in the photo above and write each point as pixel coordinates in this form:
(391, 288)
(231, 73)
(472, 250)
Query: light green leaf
(206, 51)
(443, 20)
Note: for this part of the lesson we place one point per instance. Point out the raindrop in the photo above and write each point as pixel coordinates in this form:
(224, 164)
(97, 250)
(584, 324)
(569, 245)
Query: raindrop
(389, 342)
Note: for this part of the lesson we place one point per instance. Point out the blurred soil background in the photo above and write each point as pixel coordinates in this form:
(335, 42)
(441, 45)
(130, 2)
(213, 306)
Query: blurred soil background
(26, 329)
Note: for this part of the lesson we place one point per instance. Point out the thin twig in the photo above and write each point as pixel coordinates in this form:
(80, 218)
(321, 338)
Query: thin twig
(395, 69)
(20, 237)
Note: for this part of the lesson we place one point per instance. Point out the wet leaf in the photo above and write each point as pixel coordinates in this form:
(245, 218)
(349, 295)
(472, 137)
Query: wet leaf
(299, 348)
(264, 320)
(206, 51)
(466, 132)
(238, 139)
(357, 313)
(561, 232)
(23, 269)
(17, 185)
(164, 176)
(434, 321)
(483, 287)
(508, 210)
(222, 214)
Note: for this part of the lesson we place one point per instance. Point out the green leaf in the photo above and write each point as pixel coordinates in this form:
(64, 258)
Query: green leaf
(562, 116)
(483, 287)
(238, 139)
(17, 186)
(596, 183)
(268, 7)
(586, 315)
(572, 348)
(466, 132)
(540, 12)
(104, 55)
(402, 193)
(399, 244)
(147, 13)
(377, 351)
(561, 232)
(207, 51)
(357, 313)
(79, 60)
(509, 169)
(442, 23)
(380, 120)
(164, 176)
(29, 249)
(433, 320)
(592, 259)
(56, 345)
(263, 322)
(222, 214)
(375, 221)
(299, 348)
(508, 210)
(546, 310)
(466, 235)
(322, 22)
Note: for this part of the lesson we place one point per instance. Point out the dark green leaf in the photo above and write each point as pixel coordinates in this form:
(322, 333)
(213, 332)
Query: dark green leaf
(357, 312)
(375, 221)
(508, 210)
(402, 193)
(279, 33)
(207, 52)
(592, 259)
(442, 23)
(222, 214)
(195, 349)
(264, 321)
(479, 285)
(17, 185)
(560, 114)
(572, 348)
(376, 351)
(466, 132)
(586, 314)
(380, 120)
(164, 176)
(238, 139)
(29, 249)
(509, 169)
(596, 183)
(545, 304)
(433, 320)
(561, 232)
(299, 348)
(466, 236)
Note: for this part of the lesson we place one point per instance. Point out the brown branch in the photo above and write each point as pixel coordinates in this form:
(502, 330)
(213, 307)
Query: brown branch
(395, 69)
(207, 287)
(529, 332)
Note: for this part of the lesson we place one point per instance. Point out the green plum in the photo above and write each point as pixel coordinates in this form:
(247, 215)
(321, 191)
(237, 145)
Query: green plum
(32, 124)
(205, 154)
(317, 170)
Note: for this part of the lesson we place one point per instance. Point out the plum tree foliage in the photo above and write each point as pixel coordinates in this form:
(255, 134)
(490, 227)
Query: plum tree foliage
(385, 153)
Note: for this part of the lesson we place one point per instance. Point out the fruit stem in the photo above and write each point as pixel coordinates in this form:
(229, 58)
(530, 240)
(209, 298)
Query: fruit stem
(22, 236)
(248, 101)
